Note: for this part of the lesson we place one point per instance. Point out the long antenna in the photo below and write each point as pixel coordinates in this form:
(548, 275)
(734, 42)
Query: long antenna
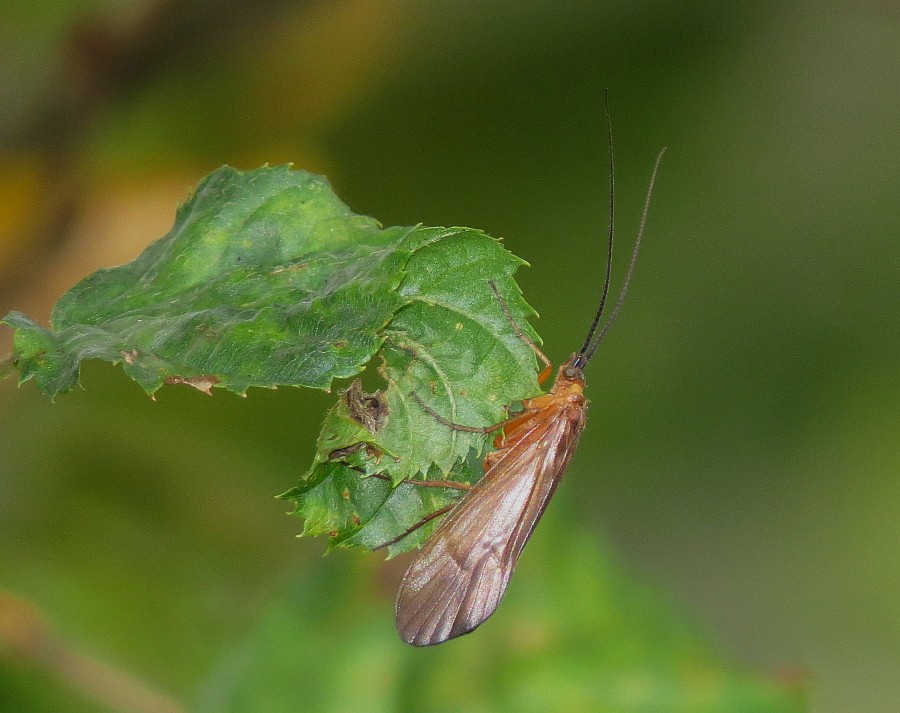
(612, 223)
(634, 253)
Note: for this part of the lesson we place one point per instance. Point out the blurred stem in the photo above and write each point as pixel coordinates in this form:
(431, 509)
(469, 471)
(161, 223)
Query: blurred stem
(25, 636)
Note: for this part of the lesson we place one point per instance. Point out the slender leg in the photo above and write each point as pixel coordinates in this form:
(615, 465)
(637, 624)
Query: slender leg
(456, 485)
(548, 367)
(460, 427)
(424, 521)
(439, 484)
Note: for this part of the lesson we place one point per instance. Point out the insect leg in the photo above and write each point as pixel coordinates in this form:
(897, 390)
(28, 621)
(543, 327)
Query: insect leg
(458, 426)
(439, 484)
(455, 484)
(424, 521)
(548, 367)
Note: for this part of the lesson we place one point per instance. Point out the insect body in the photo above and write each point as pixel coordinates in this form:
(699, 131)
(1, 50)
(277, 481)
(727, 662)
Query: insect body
(459, 577)
(461, 573)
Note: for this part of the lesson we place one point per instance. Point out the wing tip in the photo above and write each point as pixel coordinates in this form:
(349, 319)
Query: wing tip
(422, 638)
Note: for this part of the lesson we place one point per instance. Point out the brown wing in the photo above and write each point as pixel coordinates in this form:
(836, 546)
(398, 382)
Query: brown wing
(460, 575)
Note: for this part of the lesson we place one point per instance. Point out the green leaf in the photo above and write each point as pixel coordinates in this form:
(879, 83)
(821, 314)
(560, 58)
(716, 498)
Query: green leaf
(453, 346)
(268, 279)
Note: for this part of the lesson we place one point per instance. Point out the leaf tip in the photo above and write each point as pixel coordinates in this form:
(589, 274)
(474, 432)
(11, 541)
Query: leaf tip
(7, 366)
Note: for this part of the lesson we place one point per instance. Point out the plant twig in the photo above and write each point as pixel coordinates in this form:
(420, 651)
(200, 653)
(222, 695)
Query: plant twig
(26, 636)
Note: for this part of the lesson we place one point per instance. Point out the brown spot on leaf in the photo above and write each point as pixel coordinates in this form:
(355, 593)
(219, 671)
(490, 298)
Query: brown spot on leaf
(369, 410)
(340, 344)
(373, 452)
(130, 356)
(204, 382)
(343, 452)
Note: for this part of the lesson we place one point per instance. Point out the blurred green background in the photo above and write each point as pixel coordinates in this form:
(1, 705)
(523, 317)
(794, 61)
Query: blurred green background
(727, 537)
